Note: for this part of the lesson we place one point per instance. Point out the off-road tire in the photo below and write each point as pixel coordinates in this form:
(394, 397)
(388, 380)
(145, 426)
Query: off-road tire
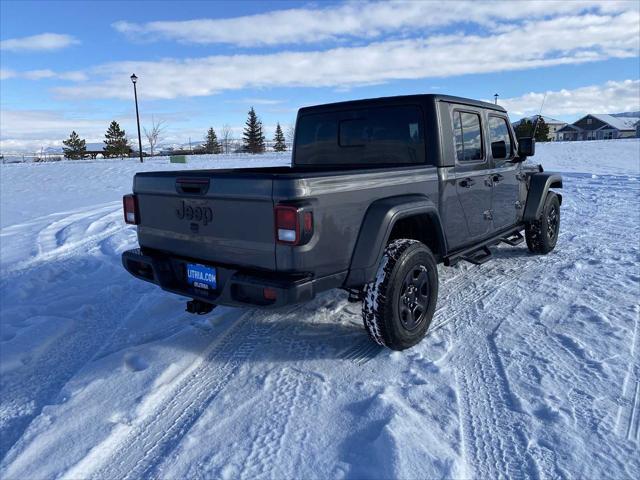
(381, 308)
(542, 234)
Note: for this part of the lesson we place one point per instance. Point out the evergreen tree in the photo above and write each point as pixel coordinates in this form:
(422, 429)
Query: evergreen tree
(116, 142)
(74, 146)
(253, 137)
(542, 132)
(526, 126)
(211, 144)
(279, 145)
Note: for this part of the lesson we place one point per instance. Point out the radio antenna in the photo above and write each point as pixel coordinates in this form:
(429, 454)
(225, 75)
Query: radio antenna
(535, 126)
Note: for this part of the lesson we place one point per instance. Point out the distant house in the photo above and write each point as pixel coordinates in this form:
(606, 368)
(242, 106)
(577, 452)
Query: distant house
(599, 127)
(95, 149)
(554, 125)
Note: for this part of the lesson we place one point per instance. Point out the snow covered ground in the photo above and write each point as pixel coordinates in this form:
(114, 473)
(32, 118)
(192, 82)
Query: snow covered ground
(531, 368)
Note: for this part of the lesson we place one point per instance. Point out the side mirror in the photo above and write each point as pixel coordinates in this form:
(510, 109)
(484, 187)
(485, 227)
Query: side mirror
(499, 149)
(526, 147)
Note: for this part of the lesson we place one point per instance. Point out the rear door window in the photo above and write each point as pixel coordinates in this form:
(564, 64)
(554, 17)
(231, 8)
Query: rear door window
(468, 136)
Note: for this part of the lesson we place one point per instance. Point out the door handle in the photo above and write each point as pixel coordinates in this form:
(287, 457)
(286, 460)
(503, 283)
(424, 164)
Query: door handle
(467, 183)
(497, 178)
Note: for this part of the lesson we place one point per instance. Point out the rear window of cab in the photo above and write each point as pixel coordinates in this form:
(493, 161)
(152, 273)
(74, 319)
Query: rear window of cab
(369, 136)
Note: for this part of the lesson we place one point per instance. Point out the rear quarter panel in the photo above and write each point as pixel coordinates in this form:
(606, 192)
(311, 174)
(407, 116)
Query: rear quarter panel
(339, 204)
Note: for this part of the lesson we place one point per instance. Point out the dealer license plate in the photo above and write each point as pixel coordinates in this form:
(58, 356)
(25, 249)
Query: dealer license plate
(201, 276)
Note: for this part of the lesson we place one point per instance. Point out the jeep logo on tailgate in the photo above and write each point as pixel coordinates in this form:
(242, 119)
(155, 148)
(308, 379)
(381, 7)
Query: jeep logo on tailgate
(202, 214)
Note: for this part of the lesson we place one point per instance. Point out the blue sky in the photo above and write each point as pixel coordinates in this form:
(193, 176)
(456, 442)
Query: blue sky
(66, 65)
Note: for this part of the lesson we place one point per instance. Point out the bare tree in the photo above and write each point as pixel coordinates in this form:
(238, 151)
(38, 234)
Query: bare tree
(155, 134)
(226, 135)
(290, 134)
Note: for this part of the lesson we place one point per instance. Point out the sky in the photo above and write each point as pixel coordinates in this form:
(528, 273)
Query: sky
(66, 65)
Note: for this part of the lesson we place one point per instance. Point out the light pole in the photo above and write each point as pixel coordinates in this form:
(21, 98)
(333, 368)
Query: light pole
(134, 79)
(496, 98)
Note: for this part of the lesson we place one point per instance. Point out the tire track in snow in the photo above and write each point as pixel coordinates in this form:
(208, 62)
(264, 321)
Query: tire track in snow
(361, 352)
(291, 389)
(494, 439)
(135, 451)
(262, 460)
(25, 391)
(78, 231)
(628, 419)
(138, 450)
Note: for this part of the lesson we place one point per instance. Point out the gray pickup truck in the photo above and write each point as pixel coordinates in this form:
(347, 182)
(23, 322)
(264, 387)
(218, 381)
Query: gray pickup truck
(379, 192)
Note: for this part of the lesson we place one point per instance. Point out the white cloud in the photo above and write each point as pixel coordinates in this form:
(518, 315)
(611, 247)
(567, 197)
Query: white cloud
(558, 41)
(75, 76)
(610, 97)
(31, 130)
(6, 74)
(41, 42)
(357, 20)
(258, 101)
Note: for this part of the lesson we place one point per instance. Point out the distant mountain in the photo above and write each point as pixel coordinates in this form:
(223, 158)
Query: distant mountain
(626, 114)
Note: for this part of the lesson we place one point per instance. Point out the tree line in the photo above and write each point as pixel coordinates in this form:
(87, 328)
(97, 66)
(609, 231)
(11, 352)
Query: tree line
(117, 144)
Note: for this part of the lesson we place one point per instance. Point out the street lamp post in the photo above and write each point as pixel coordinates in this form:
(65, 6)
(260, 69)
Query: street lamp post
(134, 79)
(496, 98)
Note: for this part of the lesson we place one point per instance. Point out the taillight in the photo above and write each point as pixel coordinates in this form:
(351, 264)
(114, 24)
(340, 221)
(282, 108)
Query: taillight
(294, 225)
(130, 205)
(287, 224)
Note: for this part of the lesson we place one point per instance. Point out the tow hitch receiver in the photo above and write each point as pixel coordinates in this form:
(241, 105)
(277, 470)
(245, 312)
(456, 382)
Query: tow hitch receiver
(198, 307)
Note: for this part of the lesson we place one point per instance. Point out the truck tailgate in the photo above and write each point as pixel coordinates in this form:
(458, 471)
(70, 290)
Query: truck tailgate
(221, 218)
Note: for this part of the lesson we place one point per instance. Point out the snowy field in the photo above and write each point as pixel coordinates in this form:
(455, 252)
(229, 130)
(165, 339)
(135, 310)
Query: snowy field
(531, 368)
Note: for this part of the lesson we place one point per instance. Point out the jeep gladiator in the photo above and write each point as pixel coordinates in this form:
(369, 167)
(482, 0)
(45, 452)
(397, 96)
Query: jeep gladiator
(379, 193)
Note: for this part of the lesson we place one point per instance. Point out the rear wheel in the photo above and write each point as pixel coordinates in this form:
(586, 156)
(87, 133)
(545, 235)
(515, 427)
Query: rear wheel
(542, 234)
(399, 305)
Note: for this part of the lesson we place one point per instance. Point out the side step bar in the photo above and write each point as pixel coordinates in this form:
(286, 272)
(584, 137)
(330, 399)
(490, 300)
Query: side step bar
(478, 257)
(513, 240)
(480, 253)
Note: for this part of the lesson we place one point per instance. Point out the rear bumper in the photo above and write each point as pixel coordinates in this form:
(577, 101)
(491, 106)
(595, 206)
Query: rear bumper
(235, 287)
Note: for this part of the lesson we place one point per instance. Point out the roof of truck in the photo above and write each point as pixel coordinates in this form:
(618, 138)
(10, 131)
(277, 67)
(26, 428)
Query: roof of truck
(421, 98)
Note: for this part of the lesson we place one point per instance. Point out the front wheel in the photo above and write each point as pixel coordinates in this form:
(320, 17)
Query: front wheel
(399, 305)
(542, 234)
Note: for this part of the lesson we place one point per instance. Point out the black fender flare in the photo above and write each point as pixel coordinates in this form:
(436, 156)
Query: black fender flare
(539, 186)
(376, 227)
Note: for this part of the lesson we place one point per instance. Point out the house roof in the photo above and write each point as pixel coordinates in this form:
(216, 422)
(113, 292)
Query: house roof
(619, 123)
(547, 120)
(568, 127)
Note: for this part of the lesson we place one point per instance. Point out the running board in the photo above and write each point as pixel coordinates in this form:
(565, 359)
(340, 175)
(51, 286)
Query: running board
(480, 253)
(478, 257)
(514, 240)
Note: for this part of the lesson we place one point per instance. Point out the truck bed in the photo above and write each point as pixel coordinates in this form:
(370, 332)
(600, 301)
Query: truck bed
(240, 228)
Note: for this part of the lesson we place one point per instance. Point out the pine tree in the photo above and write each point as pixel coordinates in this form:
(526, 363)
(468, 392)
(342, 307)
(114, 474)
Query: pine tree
(253, 137)
(542, 131)
(116, 143)
(211, 144)
(279, 143)
(74, 146)
(526, 127)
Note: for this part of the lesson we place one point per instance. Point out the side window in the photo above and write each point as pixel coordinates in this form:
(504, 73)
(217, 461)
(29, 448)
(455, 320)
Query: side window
(468, 136)
(500, 139)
